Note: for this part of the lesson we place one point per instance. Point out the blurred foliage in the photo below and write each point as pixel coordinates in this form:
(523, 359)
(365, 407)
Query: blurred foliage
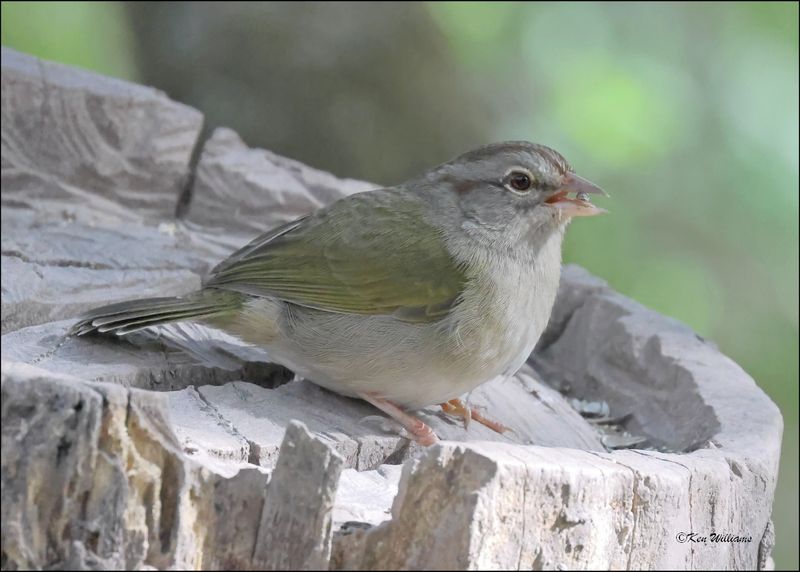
(94, 35)
(686, 113)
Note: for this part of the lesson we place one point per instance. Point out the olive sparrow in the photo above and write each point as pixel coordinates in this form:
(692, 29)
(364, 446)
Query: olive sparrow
(405, 296)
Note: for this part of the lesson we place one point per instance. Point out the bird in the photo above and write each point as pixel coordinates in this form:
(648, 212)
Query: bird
(404, 296)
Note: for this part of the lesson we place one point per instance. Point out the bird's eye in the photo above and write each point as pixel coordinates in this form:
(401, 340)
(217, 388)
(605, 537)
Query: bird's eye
(520, 181)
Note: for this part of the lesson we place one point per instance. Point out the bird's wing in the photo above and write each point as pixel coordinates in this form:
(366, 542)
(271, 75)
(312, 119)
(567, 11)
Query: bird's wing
(371, 253)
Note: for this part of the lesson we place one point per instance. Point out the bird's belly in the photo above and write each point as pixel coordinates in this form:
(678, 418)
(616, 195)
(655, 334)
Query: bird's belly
(408, 364)
(412, 365)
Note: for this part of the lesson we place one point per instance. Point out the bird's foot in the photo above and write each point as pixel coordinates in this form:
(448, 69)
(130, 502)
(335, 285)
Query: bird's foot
(457, 408)
(417, 429)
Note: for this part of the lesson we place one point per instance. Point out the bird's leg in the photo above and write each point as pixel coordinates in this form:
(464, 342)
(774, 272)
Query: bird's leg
(419, 431)
(456, 407)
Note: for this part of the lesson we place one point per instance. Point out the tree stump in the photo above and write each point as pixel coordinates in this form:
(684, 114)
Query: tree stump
(635, 444)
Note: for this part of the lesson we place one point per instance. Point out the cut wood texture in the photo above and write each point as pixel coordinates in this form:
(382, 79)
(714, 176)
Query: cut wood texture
(183, 448)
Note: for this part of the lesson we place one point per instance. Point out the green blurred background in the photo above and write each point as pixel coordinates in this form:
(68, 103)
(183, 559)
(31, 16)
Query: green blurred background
(687, 113)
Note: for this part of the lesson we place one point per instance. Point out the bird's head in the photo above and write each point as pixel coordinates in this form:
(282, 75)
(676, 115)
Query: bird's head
(515, 190)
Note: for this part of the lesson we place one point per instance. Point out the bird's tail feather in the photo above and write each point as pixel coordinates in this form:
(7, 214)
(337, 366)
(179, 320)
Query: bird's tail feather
(126, 317)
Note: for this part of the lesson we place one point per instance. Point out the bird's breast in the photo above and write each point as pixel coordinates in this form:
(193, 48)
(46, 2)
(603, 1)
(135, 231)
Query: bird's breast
(505, 308)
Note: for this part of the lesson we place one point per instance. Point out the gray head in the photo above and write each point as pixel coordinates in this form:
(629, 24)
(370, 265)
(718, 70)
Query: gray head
(513, 191)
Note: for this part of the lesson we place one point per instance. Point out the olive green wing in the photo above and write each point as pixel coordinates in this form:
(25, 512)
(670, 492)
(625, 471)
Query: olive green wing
(371, 253)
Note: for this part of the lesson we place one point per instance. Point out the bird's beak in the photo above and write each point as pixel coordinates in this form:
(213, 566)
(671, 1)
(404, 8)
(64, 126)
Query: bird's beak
(579, 205)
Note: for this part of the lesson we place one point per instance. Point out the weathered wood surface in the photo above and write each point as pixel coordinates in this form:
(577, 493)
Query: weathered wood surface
(157, 450)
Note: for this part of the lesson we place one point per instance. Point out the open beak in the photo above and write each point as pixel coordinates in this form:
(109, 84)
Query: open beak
(579, 205)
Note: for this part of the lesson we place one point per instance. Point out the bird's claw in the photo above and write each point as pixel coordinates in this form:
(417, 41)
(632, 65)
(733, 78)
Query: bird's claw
(457, 408)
